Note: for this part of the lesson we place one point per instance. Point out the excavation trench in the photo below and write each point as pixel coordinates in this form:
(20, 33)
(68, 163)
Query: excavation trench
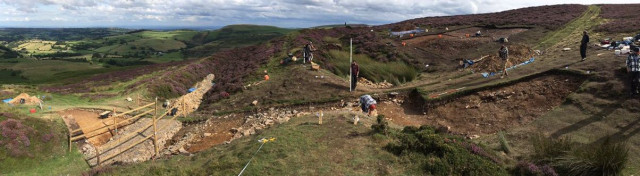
(487, 110)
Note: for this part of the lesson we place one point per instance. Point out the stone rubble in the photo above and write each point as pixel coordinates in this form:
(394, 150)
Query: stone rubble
(381, 85)
(141, 152)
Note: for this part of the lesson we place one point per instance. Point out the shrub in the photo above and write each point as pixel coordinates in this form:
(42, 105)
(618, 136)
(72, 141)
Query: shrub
(550, 17)
(15, 137)
(440, 154)
(531, 169)
(622, 18)
(504, 145)
(382, 126)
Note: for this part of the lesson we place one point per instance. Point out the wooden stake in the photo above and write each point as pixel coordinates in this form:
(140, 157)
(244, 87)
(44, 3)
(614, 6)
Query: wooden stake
(355, 120)
(320, 118)
(115, 124)
(98, 156)
(70, 141)
(155, 132)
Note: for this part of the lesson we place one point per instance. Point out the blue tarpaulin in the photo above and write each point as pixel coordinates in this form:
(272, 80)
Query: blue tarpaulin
(486, 75)
(192, 89)
(7, 100)
(408, 32)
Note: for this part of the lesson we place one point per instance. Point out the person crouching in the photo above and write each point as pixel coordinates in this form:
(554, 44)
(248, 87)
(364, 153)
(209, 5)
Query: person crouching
(368, 105)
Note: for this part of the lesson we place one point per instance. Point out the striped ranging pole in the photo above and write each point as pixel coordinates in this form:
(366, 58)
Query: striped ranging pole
(350, 61)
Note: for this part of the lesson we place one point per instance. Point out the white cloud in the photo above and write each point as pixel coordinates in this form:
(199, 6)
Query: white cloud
(288, 13)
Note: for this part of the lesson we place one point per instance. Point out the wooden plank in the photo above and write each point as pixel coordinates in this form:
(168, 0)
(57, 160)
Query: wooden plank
(121, 114)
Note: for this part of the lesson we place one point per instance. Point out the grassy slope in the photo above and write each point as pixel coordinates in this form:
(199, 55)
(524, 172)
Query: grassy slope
(584, 22)
(302, 148)
(394, 72)
(42, 71)
(51, 158)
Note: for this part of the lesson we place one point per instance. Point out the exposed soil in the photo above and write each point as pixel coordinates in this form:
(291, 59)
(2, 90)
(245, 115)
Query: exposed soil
(445, 53)
(215, 134)
(492, 110)
(88, 120)
(493, 63)
(28, 100)
(297, 86)
(492, 33)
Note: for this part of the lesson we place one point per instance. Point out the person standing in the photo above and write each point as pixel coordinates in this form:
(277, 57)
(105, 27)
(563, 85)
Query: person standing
(308, 52)
(355, 71)
(633, 68)
(583, 45)
(504, 55)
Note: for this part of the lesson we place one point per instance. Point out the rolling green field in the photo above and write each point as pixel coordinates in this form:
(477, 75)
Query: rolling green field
(60, 60)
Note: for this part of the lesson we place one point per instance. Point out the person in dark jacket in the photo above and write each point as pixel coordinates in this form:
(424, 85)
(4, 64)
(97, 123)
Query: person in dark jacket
(583, 45)
(308, 52)
(355, 71)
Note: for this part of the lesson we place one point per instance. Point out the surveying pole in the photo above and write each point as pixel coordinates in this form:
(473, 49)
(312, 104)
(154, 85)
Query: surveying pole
(350, 61)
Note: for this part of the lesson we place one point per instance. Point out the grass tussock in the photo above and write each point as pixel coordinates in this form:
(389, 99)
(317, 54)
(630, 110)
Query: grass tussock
(568, 158)
(504, 144)
(395, 72)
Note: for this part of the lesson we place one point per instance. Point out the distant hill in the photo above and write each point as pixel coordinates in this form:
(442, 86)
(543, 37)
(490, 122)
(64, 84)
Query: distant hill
(57, 34)
(339, 25)
(233, 36)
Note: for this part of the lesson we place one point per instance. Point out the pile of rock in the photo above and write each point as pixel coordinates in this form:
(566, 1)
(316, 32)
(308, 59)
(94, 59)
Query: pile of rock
(192, 135)
(381, 85)
(496, 96)
(191, 101)
(263, 120)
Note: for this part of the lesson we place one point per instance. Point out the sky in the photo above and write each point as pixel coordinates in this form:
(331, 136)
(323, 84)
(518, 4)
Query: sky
(282, 13)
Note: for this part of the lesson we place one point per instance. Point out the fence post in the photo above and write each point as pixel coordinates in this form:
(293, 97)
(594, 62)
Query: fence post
(155, 132)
